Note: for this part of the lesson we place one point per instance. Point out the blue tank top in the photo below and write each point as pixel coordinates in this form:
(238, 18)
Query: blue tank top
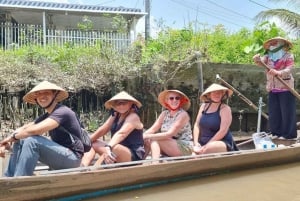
(133, 140)
(209, 125)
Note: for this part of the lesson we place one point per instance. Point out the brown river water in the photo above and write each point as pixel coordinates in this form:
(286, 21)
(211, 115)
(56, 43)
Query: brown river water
(277, 183)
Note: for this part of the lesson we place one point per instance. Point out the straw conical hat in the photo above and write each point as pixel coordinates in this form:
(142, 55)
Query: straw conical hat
(162, 98)
(215, 87)
(30, 97)
(123, 95)
(267, 43)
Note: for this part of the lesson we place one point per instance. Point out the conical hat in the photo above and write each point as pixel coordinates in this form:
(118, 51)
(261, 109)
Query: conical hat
(162, 98)
(123, 95)
(266, 44)
(30, 97)
(214, 87)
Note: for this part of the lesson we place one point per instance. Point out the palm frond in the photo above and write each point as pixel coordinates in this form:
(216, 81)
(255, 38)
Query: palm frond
(287, 18)
(291, 3)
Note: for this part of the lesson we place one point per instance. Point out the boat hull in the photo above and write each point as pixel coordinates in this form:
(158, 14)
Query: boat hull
(80, 181)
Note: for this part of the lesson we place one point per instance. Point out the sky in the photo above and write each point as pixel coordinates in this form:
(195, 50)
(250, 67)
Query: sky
(233, 14)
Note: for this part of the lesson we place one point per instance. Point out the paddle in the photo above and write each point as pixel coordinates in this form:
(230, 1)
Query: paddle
(241, 96)
(293, 91)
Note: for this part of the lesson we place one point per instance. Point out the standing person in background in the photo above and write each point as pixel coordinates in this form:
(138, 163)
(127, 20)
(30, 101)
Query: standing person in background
(281, 102)
(29, 146)
(171, 133)
(211, 132)
(124, 124)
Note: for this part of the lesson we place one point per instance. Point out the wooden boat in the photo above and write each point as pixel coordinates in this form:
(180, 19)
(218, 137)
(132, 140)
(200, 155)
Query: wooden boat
(79, 183)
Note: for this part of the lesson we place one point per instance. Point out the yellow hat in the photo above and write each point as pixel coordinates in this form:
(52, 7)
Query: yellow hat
(162, 98)
(30, 97)
(215, 87)
(123, 95)
(267, 43)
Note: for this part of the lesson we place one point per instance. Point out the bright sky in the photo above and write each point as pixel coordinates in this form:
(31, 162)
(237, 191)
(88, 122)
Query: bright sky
(233, 14)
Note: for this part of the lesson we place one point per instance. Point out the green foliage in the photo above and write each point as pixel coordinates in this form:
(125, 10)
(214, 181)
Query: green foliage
(86, 24)
(261, 33)
(216, 44)
(99, 68)
(94, 68)
(120, 24)
(171, 45)
(289, 19)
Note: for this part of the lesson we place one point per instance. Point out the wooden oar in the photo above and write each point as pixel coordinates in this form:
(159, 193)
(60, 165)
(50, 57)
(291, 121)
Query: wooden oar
(293, 91)
(241, 96)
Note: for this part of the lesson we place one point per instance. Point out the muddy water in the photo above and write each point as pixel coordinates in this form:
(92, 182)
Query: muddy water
(280, 183)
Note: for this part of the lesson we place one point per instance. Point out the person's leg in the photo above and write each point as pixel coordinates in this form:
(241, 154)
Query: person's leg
(274, 114)
(23, 158)
(123, 153)
(147, 146)
(88, 157)
(169, 147)
(214, 147)
(36, 148)
(99, 148)
(155, 149)
(56, 156)
(14, 156)
(288, 111)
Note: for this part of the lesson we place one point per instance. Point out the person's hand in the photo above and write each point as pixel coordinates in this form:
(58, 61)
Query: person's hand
(197, 149)
(257, 59)
(109, 156)
(274, 72)
(7, 140)
(3, 149)
(147, 142)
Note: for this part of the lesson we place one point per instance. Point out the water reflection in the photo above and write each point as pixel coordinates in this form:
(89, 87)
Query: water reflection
(280, 183)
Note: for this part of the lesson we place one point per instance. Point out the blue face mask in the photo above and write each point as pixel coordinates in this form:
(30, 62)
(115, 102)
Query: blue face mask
(275, 55)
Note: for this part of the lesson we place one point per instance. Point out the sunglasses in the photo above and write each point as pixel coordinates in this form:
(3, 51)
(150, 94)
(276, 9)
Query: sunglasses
(176, 98)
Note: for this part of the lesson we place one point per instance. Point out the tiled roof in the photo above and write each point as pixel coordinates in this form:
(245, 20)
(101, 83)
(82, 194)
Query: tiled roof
(66, 7)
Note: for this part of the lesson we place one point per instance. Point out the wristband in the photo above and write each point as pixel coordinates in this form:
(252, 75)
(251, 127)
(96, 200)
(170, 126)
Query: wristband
(107, 145)
(14, 136)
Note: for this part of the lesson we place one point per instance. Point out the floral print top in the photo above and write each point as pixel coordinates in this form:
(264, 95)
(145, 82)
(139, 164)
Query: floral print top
(186, 131)
(285, 65)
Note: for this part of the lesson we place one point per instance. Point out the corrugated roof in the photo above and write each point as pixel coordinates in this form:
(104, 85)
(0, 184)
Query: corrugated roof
(67, 7)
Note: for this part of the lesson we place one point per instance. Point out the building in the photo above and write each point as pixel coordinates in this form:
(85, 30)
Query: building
(46, 23)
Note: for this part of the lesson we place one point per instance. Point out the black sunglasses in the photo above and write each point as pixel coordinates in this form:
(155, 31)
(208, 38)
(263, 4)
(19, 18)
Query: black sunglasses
(172, 98)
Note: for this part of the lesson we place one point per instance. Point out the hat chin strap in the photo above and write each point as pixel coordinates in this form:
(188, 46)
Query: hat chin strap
(46, 107)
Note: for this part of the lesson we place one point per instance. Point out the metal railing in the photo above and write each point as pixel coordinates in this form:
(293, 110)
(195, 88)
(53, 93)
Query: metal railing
(13, 36)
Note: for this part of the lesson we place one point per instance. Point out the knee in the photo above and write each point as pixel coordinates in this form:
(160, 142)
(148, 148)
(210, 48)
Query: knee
(31, 141)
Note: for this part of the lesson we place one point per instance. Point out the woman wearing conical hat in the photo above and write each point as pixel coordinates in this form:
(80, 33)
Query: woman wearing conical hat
(30, 146)
(211, 129)
(126, 129)
(171, 133)
(281, 102)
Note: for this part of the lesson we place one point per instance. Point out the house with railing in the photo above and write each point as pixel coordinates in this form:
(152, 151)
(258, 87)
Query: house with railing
(49, 23)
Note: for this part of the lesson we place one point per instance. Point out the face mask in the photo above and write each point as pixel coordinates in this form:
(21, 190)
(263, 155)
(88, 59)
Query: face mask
(274, 56)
